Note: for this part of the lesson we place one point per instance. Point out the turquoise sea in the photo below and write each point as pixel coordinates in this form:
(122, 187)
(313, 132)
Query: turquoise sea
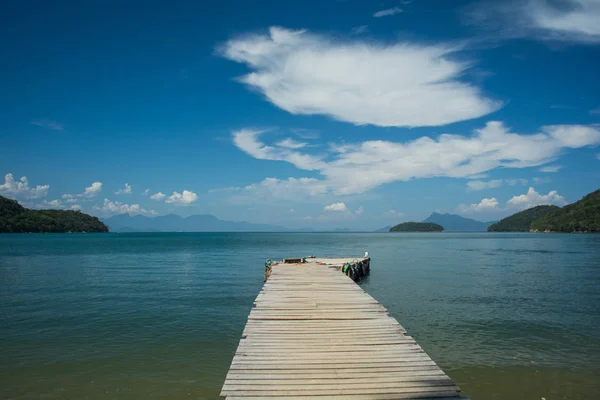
(159, 316)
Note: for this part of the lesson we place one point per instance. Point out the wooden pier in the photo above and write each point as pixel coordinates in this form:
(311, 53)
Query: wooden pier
(314, 334)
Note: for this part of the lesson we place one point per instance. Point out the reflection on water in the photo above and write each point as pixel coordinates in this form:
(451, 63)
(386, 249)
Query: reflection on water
(160, 315)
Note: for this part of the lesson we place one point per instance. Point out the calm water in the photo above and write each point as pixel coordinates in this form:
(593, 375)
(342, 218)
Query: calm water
(136, 316)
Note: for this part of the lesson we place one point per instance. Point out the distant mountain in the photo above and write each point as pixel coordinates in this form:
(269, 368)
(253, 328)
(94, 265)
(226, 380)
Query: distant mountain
(417, 227)
(581, 216)
(15, 218)
(342, 230)
(521, 221)
(456, 223)
(384, 229)
(175, 223)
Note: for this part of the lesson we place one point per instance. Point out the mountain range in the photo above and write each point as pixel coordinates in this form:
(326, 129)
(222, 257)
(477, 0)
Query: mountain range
(456, 223)
(175, 223)
(210, 223)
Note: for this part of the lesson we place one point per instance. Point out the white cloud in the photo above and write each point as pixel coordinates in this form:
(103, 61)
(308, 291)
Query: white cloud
(58, 204)
(336, 207)
(290, 143)
(125, 190)
(359, 210)
(575, 20)
(21, 189)
(116, 207)
(494, 183)
(402, 84)
(574, 135)
(565, 20)
(48, 124)
(513, 182)
(533, 198)
(184, 199)
(551, 168)
(291, 188)
(226, 189)
(480, 185)
(388, 12)
(394, 213)
(89, 192)
(71, 200)
(485, 205)
(158, 196)
(146, 192)
(520, 202)
(541, 180)
(247, 140)
(92, 191)
(359, 30)
(51, 204)
(357, 168)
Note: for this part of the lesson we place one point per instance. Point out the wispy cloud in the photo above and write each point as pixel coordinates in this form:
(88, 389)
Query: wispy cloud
(400, 84)
(247, 140)
(494, 183)
(357, 168)
(359, 30)
(551, 168)
(539, 180)
(49, 124)
(565, 20)
(290, 143)
(595, 111)
(388, 12)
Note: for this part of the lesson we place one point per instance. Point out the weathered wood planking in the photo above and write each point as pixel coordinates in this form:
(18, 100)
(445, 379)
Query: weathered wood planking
(316, 335)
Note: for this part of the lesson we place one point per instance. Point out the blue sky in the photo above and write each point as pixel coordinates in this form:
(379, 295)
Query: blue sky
(317, 114)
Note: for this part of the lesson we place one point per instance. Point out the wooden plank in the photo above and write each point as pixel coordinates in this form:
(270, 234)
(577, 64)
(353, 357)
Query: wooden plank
(333, 374)
(449, 395)
(336, 392)
(314, 334)
(340, 366)
(395, 384)
(393, 368)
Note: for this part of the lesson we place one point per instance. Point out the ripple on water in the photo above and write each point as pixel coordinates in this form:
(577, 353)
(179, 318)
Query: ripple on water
(160, 315)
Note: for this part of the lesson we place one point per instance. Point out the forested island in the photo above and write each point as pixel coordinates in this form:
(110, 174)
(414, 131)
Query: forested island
(581, 216)
(14, 218)
(521, 221)
(417, 227)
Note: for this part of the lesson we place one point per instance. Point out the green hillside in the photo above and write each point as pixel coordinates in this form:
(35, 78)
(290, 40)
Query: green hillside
(521, 221)
(417, 227)
(15, 218)
(581, 216)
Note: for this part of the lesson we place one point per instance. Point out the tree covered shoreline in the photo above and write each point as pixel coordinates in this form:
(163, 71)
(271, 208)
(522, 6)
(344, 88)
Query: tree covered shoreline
(15, 218)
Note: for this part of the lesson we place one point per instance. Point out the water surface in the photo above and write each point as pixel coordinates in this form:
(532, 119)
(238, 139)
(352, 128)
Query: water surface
(136, 316)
